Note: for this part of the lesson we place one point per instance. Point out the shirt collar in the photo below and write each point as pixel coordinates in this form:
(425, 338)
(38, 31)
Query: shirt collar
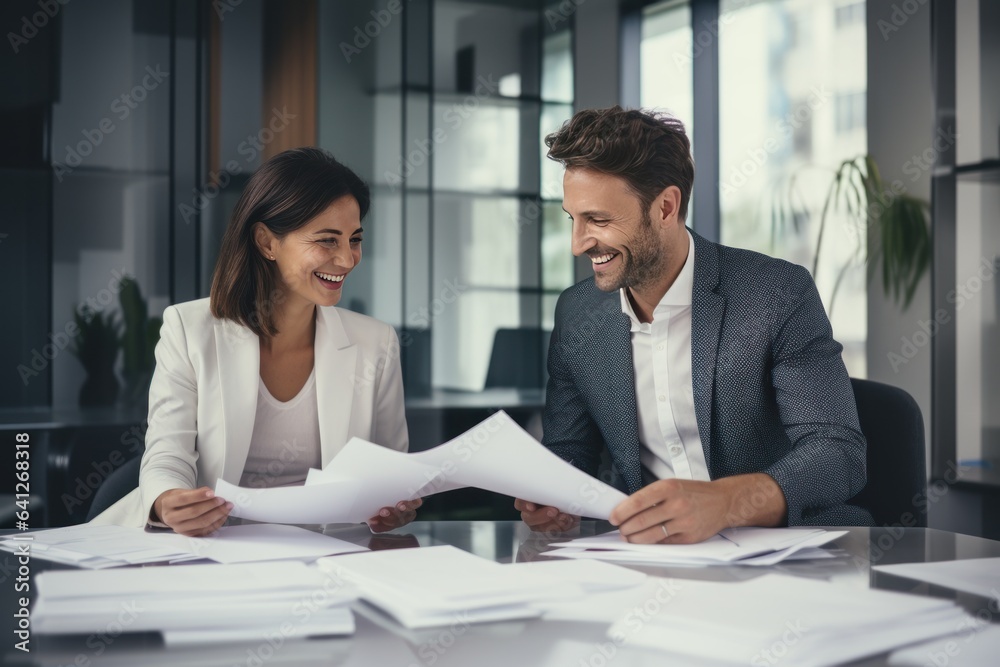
(679, 294)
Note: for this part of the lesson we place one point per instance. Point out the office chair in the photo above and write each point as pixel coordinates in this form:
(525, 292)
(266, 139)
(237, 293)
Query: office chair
(894, 428)
(118, 485)
(518, 359)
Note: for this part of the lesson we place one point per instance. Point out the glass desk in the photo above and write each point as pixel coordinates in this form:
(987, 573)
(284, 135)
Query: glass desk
(380, 642)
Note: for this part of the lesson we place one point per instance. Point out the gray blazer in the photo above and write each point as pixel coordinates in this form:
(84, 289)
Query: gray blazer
(771, 392)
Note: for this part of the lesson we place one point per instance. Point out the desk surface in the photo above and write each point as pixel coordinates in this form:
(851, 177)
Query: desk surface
(534, 642)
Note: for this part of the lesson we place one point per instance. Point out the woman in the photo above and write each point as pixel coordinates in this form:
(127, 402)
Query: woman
(265, 379)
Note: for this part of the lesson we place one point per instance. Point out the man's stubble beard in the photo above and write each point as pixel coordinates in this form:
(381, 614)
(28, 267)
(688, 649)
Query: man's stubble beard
(644, 263)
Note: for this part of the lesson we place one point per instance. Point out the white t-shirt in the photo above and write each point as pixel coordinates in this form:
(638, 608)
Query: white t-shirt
(285, 440)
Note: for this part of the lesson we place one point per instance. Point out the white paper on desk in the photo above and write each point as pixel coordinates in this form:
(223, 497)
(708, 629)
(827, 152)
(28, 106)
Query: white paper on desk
(736, 621)
(979, 576)
(161, 613)
(443, 576)
(431, 586)
(88, 563)
(132, 541)
(754, 546)
(96, 547)
(260, 542)
(204, 579)
(498, 455)
(633, 558)
(68, 534)
(189, 597)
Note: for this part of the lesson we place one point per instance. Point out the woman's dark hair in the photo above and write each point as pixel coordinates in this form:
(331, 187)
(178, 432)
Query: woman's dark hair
(289, 190)
(648, 149)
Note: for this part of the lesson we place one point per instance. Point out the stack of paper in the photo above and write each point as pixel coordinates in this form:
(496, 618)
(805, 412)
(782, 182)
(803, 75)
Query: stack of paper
(798, 621)
(195, 603)
(98, 547)
(733, 546)
(495, 455)
(444, 585)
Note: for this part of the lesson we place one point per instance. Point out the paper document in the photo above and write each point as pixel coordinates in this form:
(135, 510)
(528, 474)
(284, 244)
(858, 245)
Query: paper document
(733, 546)
(115, 546)
(189, 598)
(979, 576)
(402, 476)
(495, 455)
(808, 623)
(500, 456)
(433, 586)
(317, 503)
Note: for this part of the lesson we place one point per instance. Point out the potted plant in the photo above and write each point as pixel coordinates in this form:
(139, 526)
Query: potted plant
(900, 242)
(96, 346)
(138, 342)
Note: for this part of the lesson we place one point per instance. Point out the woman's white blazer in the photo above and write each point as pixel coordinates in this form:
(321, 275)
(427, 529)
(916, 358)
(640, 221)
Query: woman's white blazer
(203, 399)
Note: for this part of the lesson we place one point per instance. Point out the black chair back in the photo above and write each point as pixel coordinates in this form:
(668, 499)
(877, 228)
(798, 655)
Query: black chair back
(118, 485)
(897, 473)
(518, 359)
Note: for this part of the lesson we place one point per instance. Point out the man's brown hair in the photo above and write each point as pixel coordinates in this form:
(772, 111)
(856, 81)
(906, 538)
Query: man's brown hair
(648, 149)
(288, 191)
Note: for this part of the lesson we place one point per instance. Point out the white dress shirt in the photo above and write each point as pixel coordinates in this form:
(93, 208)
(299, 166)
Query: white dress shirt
(661, 355)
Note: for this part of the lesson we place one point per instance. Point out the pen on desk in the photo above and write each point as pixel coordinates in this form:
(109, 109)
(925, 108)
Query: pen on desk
(729, 537)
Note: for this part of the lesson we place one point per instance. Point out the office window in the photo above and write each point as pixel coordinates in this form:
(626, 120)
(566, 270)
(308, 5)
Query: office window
(492, 187)
(851, 113)
(446, 121)
(850, 14)
(667, 51)
(791, 109)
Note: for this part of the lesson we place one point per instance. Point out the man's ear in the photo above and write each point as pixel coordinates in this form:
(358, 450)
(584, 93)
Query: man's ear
(667, 206)
(265, 240)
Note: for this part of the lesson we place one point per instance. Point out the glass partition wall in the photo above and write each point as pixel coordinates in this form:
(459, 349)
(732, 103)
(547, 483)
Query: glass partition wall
(86, 178)
(440, 105)
(443, 110)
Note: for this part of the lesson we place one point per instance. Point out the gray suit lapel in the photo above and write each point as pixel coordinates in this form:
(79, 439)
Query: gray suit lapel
(707, 310)
(624, 423)
(602, 337)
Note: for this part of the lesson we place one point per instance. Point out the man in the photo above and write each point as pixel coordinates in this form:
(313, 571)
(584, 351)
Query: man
(709, 374)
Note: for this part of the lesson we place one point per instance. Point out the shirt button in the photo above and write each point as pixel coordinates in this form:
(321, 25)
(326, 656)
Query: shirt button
(675, 450)
(662, 398)
(659, 347)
